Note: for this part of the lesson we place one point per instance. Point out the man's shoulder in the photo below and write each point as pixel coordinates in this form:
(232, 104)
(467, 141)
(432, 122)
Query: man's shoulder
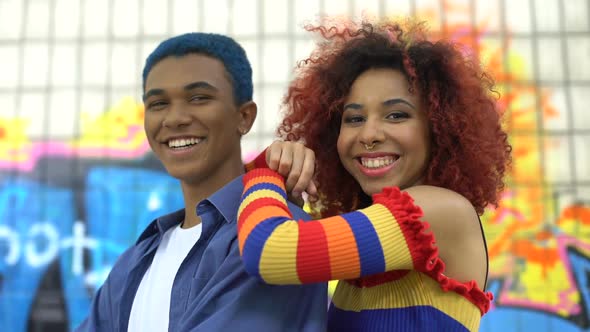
(297, 212)
(126, 262)
(145, 241)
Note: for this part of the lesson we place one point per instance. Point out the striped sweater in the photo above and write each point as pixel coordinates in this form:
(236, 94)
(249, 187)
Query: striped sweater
(392, 276)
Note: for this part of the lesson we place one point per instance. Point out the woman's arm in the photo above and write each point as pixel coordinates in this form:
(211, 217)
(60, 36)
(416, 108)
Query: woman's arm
(385, 236)
(458, 232)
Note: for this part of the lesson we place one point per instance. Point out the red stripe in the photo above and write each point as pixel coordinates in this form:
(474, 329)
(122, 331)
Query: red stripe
(260, 161)
(258, 204)
(313, 258)
(420, 244)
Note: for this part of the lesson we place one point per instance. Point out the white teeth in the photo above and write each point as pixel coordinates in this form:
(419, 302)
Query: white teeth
(377, 162)
(178, 143)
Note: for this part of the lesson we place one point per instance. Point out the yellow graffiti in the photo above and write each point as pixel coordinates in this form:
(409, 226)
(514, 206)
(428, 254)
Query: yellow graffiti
(13, 139)
(119, 127)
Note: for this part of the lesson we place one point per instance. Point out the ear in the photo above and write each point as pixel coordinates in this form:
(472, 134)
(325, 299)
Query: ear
(248, 111)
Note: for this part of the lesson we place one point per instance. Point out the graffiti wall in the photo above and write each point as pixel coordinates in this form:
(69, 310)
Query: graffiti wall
(78, 183)
(70, 208)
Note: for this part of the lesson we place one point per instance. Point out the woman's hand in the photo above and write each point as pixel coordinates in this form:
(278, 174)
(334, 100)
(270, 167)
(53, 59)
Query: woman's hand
(296, 163)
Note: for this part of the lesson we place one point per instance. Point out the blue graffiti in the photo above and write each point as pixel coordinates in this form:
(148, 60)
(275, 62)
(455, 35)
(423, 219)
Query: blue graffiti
(38, 226)
(33, 218)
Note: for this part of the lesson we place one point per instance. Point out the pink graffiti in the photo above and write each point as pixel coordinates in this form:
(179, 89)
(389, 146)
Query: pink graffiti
(39, 150)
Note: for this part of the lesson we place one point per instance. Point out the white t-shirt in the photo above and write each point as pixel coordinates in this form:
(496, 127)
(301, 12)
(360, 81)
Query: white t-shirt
(151, 305)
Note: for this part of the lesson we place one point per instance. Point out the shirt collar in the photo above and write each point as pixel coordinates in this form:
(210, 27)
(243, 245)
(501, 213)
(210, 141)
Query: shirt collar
(226, 200)
(162, 224)
(168, 221)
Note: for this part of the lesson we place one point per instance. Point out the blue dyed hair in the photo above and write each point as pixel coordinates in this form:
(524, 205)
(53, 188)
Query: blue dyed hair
(223, 48)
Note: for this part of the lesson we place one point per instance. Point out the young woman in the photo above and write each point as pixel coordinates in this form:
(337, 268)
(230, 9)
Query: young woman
(405, 130)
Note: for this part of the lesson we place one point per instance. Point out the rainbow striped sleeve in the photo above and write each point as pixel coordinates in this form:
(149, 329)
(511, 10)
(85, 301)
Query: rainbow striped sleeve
(386, 236)
(258, 162)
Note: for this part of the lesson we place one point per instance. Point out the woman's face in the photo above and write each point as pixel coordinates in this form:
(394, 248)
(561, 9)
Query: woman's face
(384, 137)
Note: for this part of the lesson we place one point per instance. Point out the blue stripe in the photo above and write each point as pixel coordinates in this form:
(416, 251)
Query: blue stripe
(409, 319)
(255, 242)
(265, 185)
(368, 243)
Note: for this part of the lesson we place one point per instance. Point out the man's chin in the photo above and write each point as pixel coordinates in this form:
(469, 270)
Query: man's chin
(185, 174)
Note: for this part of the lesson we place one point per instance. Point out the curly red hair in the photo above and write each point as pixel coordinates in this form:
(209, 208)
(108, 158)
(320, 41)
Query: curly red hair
(469, 149)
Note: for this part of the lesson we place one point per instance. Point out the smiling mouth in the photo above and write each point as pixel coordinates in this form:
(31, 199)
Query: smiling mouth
(183, 143)
(376, 163)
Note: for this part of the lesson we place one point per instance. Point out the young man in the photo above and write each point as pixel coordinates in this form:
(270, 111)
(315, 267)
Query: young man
(185, 273)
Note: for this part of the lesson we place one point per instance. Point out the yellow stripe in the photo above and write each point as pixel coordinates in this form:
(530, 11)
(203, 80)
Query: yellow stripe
(454, 305)
(414, 289)
(395, 249)
(278, 264)
(400, 293)
(263, 193)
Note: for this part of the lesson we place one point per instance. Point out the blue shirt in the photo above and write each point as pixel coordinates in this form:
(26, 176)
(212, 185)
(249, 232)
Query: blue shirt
(211, 291)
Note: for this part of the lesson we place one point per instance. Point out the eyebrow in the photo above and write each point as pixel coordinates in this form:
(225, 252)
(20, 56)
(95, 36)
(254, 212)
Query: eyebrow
(353, 106)
(388, 102)
(188, 87)
(395, 101)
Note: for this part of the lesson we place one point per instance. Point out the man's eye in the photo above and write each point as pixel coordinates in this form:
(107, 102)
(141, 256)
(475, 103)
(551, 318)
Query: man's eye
(197, 98)
(156, 105)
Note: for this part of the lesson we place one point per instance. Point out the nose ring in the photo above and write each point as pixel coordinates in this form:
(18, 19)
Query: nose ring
(369, 147)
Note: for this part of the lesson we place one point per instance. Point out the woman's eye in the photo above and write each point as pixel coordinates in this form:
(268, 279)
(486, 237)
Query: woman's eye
(398, 115)
(353, 119)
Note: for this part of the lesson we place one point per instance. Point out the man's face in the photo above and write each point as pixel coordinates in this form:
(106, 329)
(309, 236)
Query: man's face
(191, 120)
